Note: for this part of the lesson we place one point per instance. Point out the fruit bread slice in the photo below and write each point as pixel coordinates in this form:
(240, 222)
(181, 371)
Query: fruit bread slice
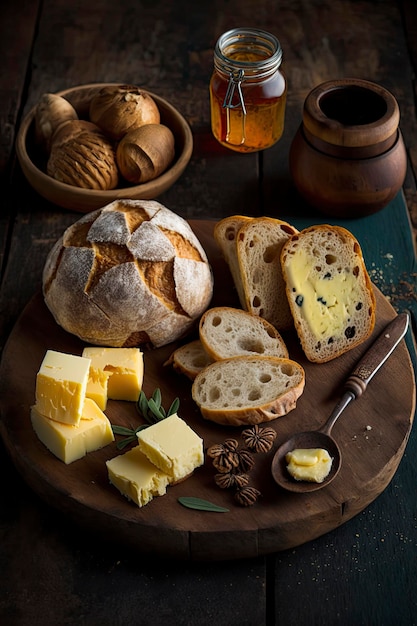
(329, 291)
(226, 332)
(248, 389)
(259, 244)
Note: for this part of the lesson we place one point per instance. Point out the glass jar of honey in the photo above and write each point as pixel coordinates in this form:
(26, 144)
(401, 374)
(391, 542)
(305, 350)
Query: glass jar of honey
(247, 90)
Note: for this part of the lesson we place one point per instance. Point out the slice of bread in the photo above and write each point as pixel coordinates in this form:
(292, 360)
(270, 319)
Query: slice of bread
(329, 291)
(226, 332)
(259, 243)
(189, 359)
(225, 235)
(248, 389)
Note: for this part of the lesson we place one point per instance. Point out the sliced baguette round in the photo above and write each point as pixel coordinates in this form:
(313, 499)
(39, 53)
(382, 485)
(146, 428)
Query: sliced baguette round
(189, 359)
(226, 332)
(329, 291)
(225, 235)
(246, 390)
(259, 244)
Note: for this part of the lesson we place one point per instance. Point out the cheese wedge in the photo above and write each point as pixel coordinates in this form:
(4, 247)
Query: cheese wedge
(309, 464)
(115, 373)
(61, 385)
(70, 443)
(173, 447)
(136, 477)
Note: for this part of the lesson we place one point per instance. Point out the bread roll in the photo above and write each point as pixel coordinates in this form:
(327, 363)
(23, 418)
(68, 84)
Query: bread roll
(329, 291)
(129, 274)
(225, 332)
(246, 390)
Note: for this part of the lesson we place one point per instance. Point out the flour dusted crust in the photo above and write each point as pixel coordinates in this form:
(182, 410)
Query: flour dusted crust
(329, 291)
(128, 274)
(246, 390)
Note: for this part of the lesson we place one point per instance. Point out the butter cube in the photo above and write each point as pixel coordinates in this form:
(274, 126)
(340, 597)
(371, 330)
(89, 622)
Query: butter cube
(173, 447)
(123, 368)
(136, 477)
(70, 443)
(309, 464)
(61, 385)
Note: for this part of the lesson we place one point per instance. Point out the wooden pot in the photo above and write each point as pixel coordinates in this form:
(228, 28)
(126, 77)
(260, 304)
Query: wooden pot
(348, 157)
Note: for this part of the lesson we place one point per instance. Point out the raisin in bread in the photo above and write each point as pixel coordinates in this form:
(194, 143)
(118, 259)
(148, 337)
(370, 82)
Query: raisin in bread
(226, 332)
(246, 390)
(329, 291)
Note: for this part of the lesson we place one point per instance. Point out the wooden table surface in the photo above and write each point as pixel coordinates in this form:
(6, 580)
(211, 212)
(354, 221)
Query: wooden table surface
(365, 571)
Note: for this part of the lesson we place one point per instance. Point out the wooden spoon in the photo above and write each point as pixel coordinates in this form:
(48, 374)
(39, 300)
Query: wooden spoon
(354, 387)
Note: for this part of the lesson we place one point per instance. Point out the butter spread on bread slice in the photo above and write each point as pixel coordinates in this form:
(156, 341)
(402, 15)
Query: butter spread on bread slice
(329, 291)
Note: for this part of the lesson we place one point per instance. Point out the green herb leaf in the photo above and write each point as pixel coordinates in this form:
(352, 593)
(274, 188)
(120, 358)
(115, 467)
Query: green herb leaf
(174, 407)
(201, 505)
(122, 430)
(155, 409)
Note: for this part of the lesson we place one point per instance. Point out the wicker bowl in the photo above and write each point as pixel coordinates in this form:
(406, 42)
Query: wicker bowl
(33, 162)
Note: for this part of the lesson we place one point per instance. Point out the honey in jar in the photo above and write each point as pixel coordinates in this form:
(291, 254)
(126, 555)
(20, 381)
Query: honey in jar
(247, 90)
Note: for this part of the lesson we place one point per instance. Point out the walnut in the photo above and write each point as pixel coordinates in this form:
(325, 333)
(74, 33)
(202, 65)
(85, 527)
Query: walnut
(225, 456)
(246, 460)
(259, 439)
(247, 496)
(230, 480)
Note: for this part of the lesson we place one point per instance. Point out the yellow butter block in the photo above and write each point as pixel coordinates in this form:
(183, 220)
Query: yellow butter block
(124, 369)
(61, 385)
(309, 464)
(136, 477)
(70, 443)
(173, 447)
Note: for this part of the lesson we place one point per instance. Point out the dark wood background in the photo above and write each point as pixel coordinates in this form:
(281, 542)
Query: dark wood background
(362, 573)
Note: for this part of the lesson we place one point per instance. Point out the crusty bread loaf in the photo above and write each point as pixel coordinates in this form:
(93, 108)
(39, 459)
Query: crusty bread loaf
(189, 359)
(226, 332)
(248, 389)
(130, 273)
(329, 291)
(225, 235)
(259, 244)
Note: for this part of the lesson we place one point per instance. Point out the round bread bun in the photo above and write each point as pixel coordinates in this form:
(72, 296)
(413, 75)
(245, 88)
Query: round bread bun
(128, 274)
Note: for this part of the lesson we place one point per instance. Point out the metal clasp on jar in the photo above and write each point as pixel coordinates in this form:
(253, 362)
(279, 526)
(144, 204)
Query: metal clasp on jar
(235, 83)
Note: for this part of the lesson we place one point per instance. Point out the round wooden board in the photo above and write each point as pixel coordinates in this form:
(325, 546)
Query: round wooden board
(372, 434)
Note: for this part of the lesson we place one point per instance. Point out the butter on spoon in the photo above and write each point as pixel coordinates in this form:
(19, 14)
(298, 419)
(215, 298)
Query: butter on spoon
(354, 387)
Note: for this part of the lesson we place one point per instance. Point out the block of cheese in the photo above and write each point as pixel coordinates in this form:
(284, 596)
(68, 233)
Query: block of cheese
(173, 447)
(61, 385)
(309, 464)
(97, 387)
(123, 368)
(136, 477)
(70, 443)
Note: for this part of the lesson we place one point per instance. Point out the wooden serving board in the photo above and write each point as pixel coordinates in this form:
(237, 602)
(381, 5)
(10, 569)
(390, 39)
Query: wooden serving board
(372, 434)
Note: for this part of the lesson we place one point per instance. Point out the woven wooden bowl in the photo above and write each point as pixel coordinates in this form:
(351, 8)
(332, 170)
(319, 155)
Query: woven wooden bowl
(33, 162)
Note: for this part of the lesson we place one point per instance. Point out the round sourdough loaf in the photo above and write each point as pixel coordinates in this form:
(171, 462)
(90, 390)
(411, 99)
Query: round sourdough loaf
(128, 274)
(245, 390)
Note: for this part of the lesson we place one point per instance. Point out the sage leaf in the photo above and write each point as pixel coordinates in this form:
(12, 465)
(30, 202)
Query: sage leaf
(174, 407)
(201, 505)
